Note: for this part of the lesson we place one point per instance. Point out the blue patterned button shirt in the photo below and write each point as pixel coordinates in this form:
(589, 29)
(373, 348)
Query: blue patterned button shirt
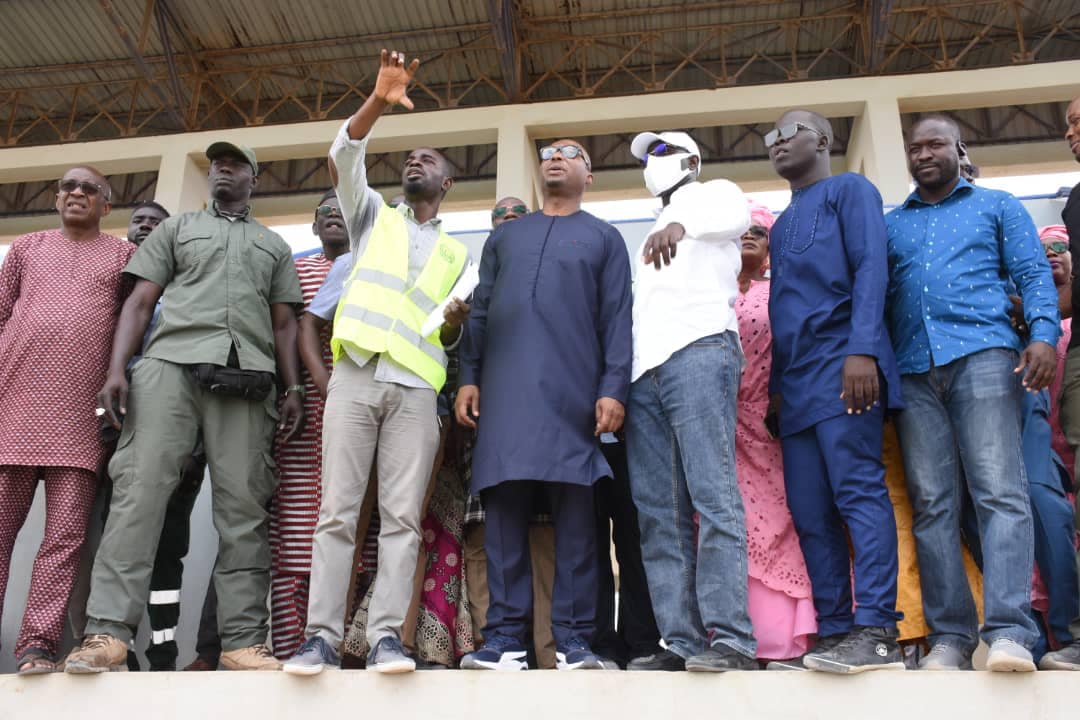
(949, 270)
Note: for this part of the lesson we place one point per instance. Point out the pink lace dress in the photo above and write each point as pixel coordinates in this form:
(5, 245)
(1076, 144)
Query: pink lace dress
(781, 606)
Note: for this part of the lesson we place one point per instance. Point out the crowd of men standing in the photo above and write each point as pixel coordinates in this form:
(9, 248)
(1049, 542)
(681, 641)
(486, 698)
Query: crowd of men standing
(782, 426)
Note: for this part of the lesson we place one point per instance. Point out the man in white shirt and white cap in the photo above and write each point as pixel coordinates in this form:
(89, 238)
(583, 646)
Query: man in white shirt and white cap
(680, 418)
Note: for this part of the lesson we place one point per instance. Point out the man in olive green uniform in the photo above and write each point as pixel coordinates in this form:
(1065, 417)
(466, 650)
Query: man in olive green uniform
(227, 323)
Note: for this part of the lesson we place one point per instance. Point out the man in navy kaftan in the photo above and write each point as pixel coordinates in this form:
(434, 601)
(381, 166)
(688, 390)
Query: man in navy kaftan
(545, 369)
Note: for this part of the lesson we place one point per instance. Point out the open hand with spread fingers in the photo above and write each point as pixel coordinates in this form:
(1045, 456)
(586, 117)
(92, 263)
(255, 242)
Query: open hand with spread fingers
(394, 78)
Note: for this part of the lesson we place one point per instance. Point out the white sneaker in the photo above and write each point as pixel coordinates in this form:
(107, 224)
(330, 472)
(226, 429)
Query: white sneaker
(945, 657)
(1009, 656)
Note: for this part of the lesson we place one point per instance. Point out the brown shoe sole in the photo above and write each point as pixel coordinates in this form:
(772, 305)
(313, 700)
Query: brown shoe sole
(74, 667)
(227, 665)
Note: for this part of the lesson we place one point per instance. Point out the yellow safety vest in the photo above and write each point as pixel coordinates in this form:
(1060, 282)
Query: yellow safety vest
(380, 313)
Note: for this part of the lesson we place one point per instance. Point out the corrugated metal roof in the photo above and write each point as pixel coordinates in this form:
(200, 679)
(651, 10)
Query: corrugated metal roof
(63, 45)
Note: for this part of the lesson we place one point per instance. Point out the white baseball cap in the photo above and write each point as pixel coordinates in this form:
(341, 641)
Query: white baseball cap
(640, 145)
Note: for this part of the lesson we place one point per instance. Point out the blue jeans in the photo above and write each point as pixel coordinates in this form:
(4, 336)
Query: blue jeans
(1052, 513)
(967, 414)
(680, 443)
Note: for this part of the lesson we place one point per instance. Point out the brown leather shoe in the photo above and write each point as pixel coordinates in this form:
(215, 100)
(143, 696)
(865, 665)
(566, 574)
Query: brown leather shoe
(256, 657)
(201, 664)
(97, 654)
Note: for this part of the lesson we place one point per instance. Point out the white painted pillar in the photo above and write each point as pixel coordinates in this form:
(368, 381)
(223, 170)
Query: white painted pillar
(518, 172)
(182, 185)
(876, 148)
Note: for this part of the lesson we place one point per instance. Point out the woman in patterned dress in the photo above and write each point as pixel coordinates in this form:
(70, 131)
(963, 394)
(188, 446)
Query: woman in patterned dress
(780, 602)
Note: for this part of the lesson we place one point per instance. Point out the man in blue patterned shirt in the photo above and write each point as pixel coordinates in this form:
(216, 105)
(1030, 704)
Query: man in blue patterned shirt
(953, 248)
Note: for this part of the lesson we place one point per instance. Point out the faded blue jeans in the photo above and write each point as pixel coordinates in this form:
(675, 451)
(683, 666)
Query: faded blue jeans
(967, 413)
(680, 443)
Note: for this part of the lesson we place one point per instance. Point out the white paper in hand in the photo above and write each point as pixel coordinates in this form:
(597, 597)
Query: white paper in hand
(462, 289)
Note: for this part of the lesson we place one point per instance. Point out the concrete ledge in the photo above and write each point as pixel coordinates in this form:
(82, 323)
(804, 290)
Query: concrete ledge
(549, 695)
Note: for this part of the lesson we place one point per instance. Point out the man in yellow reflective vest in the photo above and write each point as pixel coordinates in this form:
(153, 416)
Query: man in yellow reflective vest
(381, 397)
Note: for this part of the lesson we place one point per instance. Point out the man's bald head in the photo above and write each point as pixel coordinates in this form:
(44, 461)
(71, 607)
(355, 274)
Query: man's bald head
(508, 208)
(509, 200)
(947, 125)
(800, 147)
(83, 198)
(808, 117)
(98, 175)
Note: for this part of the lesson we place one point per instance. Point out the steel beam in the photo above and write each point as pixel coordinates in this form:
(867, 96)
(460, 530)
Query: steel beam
(140, 63)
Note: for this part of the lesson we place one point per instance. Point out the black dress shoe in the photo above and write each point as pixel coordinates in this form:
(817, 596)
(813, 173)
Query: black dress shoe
(664, 660)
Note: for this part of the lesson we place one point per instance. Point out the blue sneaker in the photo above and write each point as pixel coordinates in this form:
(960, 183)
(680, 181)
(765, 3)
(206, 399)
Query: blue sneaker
(500, 652)
(575, 654)
(388, 656)
(312, 657)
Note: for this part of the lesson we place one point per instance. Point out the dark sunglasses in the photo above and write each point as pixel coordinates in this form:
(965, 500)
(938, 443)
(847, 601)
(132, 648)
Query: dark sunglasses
(567, 151)
(662, 148)
(1057, 247)
(503, 209)
(89, 189)
(327, 211)
(786, 132)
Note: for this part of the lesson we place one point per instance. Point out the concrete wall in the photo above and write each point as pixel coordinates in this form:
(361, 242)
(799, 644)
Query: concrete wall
(544, 695)
(876, 146)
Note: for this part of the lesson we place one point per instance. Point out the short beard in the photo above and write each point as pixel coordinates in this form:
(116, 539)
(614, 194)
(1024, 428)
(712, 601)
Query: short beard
(942, 180)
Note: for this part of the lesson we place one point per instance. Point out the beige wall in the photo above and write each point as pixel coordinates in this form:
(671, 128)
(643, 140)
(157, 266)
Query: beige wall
(542, 695)
(876, 146)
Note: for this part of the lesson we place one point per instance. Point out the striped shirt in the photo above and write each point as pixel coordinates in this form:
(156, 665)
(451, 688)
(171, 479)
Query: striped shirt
(295, 509)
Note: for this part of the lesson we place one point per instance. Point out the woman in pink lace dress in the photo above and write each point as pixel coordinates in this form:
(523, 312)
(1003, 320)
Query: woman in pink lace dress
(781, 607)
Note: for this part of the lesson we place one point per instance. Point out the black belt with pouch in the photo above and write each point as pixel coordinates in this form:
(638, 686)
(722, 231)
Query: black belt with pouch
(251, 385)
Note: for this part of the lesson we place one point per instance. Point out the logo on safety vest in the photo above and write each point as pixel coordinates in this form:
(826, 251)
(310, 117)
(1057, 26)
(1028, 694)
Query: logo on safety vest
(447, 254)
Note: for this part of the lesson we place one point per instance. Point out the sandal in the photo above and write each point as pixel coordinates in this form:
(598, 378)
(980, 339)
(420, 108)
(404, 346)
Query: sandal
(35, 661)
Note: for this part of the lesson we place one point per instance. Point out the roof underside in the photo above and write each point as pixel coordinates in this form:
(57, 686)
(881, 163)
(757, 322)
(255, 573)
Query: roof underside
(119, 68)
(95, 69)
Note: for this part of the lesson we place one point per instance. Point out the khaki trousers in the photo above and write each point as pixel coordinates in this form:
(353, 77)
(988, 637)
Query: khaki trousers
(396, 429)
(542, 557)
(167, 410)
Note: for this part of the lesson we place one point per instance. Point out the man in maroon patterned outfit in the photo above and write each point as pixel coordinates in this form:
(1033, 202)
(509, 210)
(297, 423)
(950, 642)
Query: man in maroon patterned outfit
(60, 295)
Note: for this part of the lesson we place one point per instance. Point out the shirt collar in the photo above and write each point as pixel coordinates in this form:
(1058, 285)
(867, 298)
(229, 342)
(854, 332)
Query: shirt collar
(245, 215)
(914, 199)
(407, 211)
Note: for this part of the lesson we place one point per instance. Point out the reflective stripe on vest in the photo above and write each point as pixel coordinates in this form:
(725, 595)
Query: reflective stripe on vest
(385, 322)
(380, 313)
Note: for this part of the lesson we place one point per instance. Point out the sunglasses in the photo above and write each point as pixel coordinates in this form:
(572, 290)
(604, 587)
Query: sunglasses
(786, 132)
(327, 211)
(1057, 247)
(567, 151)
(503, 209)
(89, 189)
(661, 149)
